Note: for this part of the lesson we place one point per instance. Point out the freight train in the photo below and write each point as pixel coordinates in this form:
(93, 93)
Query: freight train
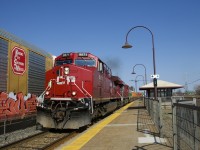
(79, 88)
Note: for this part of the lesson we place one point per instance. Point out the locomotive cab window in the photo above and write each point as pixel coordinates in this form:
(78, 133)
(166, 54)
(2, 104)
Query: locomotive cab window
(107, 71)
(63, 62)
(85, 62)
(100, 66)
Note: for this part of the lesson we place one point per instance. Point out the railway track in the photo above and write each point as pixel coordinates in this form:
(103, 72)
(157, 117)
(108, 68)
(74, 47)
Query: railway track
(44, 140)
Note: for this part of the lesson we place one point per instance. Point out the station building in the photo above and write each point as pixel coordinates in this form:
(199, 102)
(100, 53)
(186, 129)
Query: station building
(164, 88)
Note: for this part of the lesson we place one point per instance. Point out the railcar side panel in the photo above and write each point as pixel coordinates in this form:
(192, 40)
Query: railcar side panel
(4, 64)
(15, 65)
(17, 82)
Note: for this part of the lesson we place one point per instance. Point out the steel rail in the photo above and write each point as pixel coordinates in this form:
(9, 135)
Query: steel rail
(43, 140)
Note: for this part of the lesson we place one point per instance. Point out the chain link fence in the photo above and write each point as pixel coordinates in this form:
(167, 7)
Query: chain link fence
(186, 124)
(178, 121)
(161, 113)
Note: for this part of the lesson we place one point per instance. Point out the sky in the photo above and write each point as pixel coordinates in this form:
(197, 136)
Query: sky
(100, 27)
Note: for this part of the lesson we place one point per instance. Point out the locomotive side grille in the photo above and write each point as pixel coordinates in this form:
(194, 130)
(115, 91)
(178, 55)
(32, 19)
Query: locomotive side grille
(4, 64)
(36, 73)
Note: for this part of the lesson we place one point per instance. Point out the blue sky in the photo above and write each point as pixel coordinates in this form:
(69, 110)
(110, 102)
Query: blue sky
(99, 27)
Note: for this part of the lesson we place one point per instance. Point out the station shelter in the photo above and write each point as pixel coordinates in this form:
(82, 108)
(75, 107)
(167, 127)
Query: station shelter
(164, 88)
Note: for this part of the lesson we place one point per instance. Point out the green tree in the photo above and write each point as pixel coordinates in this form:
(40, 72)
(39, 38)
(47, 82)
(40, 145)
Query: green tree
(197, 89)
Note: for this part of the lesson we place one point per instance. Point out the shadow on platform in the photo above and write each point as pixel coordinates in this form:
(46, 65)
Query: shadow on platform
(146, 125)
(137, 107)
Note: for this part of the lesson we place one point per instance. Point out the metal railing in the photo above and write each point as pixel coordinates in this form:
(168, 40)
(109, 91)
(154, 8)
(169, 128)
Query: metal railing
(178, 120)
(186, 124)
(10, 125)
(153, 108)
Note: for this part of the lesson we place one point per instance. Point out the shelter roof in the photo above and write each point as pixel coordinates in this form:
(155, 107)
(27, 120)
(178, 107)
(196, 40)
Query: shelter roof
(161, 85)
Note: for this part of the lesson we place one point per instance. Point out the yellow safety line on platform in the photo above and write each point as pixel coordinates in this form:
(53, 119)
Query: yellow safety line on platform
(91, 132)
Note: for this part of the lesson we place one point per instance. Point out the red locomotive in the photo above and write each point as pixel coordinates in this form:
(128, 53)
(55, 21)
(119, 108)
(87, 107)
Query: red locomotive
(79, 88)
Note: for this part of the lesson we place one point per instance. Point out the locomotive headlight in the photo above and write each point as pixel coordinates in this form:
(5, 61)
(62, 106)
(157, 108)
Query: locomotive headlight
(66, 70)
(47, 93)
(73, 93)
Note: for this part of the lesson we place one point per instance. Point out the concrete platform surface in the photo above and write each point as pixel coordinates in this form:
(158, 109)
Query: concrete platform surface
(129, 128)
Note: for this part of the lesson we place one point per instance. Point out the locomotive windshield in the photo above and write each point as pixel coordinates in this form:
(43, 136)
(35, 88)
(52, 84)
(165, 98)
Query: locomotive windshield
(62, 62)
(85, 62)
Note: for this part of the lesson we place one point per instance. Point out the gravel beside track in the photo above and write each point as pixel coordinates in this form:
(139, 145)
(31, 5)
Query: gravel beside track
(43, 140)
(17, 135)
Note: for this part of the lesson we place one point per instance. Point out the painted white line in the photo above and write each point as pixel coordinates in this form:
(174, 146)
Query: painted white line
(150, 138)
(146, 133)
(145, 140)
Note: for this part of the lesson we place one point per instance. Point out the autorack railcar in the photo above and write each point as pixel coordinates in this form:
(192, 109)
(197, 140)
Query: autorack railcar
(22, 65)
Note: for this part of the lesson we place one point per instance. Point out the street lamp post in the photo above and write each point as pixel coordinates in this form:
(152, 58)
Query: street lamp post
(136, 86)
(144, 71)
(127, 45)
(137, 80)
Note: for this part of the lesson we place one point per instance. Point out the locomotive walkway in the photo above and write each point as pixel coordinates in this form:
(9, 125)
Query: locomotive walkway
(129, 128)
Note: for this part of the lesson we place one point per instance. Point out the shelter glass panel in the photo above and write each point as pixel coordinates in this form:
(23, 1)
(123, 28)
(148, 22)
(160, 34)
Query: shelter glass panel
(151, 94)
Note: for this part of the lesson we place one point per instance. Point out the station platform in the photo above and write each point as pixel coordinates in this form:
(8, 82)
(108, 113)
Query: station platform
(129, 128)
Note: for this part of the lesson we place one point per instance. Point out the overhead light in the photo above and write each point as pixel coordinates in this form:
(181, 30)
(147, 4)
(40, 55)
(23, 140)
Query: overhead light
(126, 45)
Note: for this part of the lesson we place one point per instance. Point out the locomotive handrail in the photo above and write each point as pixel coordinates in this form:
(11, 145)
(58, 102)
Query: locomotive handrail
(120, 96)
(79, 88)
(41, 97)
(90, 97)
(85, 94)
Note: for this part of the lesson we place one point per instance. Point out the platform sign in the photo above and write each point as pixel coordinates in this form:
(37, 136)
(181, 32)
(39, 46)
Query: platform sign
(155, 76)
(18, 61)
